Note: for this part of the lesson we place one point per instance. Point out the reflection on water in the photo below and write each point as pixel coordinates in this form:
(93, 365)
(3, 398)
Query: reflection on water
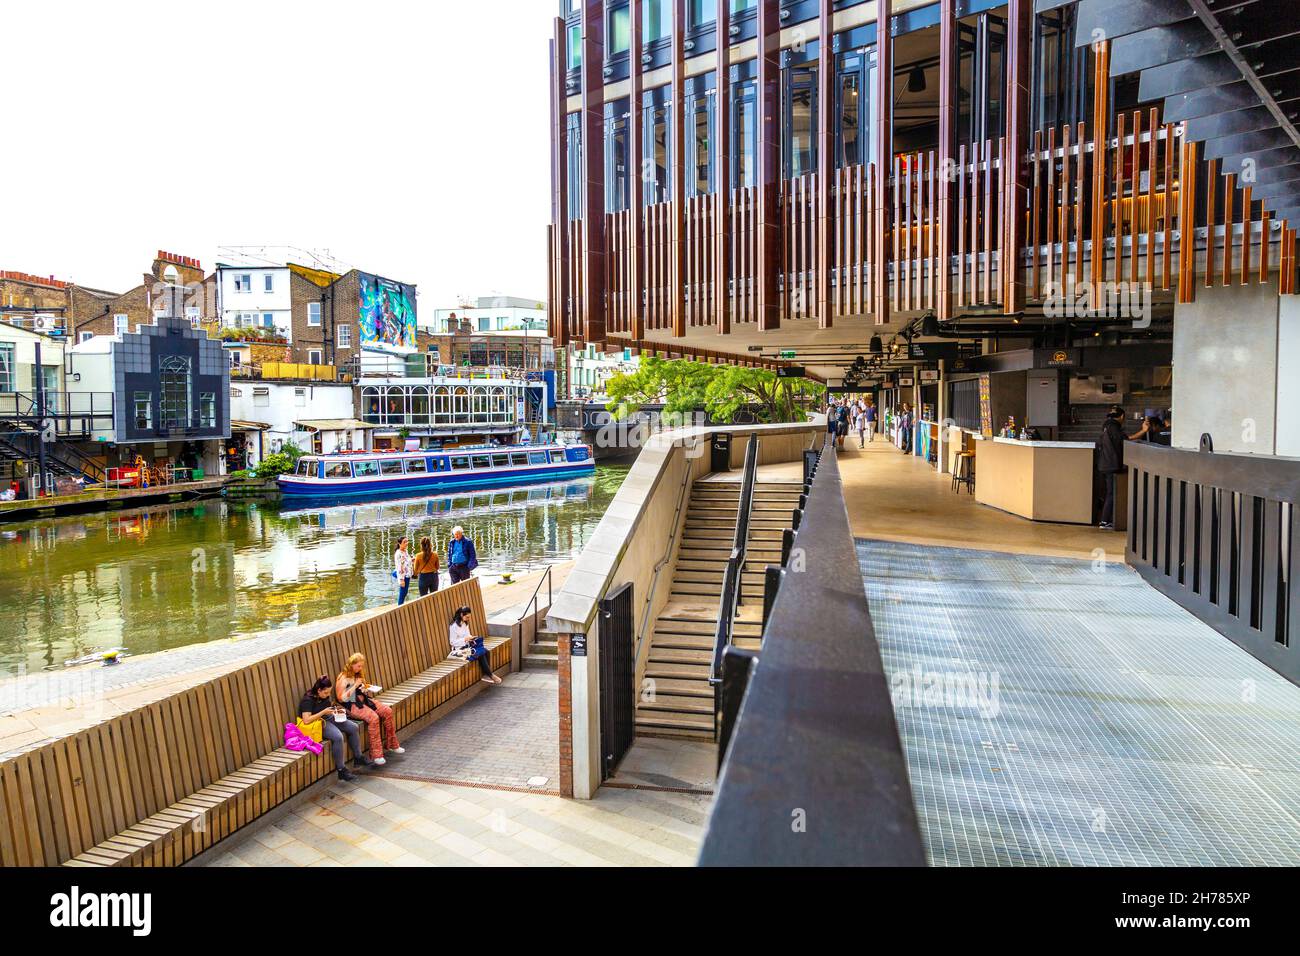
(181, 574)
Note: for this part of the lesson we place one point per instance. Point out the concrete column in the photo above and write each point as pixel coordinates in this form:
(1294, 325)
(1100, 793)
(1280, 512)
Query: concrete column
(1236, 370)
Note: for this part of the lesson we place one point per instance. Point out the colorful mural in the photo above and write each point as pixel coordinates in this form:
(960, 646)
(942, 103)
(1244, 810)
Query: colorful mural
(387, 312)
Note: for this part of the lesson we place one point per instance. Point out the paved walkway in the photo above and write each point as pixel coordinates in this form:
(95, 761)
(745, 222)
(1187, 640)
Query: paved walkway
(478, 789)
(469, 745)
(896, 497)
(1058, 711)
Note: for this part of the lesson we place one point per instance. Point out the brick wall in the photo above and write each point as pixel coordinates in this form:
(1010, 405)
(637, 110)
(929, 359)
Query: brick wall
(93, 312)
(564, 673)
(339, 306)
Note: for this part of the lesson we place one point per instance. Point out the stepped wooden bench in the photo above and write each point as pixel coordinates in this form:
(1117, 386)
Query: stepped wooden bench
(161, 784)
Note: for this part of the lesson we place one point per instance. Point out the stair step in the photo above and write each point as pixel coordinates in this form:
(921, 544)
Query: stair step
(665, 670)
(698, 642)
(549, 648)
(678, 687)
(541, 662)
(672, 626)
(672, 704)
(686, 726)
(677, 655)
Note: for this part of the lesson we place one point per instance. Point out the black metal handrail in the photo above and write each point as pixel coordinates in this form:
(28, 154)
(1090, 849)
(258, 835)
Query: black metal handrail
(535, 608)
(732, 577)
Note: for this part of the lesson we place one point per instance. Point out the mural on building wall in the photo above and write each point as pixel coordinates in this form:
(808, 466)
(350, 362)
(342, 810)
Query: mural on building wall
(387, 312)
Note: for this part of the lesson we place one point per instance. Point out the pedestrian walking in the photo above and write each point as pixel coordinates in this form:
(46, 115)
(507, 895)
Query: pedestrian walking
(870, 416)
(426, 567)
(403, 568)
(861, 427)
(461, 556)
(1110, 462)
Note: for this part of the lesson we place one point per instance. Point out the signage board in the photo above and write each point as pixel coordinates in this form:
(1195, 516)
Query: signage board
(791, 371)
(932, 351)
(929, 375)
(578, 645)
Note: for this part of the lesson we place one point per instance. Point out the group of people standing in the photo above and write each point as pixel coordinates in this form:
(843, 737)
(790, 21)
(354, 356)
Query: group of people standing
(846, 415)
(424, 566)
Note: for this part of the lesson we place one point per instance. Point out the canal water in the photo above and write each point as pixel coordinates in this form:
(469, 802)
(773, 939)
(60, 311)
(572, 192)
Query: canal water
(164, 577)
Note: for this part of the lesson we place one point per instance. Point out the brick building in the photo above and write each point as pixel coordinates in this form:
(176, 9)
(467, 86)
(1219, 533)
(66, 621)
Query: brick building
(33, 302)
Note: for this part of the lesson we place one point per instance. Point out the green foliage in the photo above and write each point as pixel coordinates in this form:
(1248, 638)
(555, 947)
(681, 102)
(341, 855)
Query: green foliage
(253, 334)
(685, 386)
(241, 475)
(272, 466)
(293, 451)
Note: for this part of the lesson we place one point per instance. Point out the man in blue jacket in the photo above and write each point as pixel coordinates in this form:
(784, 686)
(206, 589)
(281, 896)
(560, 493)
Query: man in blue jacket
(461, 556)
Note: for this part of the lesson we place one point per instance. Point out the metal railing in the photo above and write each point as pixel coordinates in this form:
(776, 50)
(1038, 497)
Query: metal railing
(813, 719)
(732, 577)
(535, 608)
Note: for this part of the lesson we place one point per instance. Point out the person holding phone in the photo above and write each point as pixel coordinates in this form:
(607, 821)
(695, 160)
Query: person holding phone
(465, 645)
(317, 705)
(357, 695)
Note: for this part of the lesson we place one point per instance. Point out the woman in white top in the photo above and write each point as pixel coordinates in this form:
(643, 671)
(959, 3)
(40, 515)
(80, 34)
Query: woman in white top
(465, 644)
(403, 568)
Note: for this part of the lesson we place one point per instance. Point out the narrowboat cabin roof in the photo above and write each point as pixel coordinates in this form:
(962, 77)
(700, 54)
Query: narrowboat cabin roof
(457, 450)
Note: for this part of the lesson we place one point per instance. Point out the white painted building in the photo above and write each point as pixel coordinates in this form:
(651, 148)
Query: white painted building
(271, 414)
(255, 296)
(492, 314)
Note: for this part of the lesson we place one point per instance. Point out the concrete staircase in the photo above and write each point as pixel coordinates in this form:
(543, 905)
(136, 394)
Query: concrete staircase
(543, 653)
(681, 647)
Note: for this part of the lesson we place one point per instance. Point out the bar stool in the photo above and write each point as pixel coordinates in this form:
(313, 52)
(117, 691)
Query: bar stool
(964, 473)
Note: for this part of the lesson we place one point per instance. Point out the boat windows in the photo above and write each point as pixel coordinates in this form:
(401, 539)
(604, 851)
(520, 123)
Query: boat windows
(416, 466)
(482, 461)
(537, 458)
(518, 458)
(339, 469)
(500, 461)
(306, 467)
(557, 455)
(365, 469)
(390, 467)
(460, 464)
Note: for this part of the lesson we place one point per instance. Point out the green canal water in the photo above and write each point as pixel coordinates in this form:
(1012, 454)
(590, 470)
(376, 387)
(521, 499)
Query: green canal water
(169, 576)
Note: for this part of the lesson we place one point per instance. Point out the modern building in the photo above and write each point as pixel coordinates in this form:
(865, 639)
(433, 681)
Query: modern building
(170, 389)
(968, 211)
(989, 192)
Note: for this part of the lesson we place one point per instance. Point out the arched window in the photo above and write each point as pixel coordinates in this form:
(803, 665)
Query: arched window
(174, 375)
(442, 405)
(420, 405)
(460, 405)
(370, 405)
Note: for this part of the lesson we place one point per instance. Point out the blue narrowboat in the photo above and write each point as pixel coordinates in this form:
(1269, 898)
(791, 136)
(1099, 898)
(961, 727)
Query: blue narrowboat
(359, 474)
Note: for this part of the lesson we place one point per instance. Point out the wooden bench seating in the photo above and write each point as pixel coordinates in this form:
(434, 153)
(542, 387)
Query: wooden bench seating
(161, 784)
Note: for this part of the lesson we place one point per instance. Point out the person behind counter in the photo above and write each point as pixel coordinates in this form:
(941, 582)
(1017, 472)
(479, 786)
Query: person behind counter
(1110, 462)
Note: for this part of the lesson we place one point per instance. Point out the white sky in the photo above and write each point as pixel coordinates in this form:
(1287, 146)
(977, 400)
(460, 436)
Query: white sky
(410, 139)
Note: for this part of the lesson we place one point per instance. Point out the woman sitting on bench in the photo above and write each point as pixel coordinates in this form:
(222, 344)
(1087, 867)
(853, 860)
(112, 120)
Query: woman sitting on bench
(356, 693)
(316, 705)
(466, 645)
